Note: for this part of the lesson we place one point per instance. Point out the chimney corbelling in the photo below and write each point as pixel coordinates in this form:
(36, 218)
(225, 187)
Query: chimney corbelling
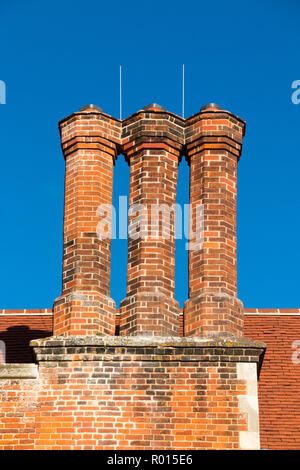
(153, 125)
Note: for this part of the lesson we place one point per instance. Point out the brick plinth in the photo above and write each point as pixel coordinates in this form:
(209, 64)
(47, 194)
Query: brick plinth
(149, 314)
(213, 142)
(84, 312)
(131, 393)
(89, 142)
(152, 143)
(213, 314)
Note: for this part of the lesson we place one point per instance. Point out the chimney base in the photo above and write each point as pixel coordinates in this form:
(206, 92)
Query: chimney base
(213, 313)
(84, 313)
(149, 314)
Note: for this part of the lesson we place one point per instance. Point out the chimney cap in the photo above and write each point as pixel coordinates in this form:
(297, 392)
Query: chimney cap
(91, 106)
(153, 105)
(210, 105)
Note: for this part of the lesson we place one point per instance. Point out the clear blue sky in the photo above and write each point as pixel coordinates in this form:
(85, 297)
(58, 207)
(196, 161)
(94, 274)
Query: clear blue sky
(57, 56)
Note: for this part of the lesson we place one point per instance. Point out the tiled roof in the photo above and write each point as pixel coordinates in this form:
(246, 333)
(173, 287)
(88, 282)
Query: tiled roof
(19, 327)
(279, 383)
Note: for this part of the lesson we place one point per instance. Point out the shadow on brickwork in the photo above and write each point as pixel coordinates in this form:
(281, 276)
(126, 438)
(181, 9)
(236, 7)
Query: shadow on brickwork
(17, 339)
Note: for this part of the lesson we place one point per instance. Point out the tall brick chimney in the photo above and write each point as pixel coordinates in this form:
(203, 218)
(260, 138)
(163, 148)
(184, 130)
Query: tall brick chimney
(148, 388)
(89, 141)
(213, 147)
(152, 143)
(152, 140)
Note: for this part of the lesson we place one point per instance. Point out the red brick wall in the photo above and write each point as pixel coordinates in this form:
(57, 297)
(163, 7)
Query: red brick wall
(279, 383)
(141, 397)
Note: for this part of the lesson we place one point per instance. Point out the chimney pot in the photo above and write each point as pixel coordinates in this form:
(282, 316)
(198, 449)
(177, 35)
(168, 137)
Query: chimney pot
(154, 106)
(91, 106)
(210, 105)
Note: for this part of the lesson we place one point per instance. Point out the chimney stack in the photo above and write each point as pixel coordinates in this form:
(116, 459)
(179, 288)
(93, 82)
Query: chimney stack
(213, 147)
(148, 388)
(152, 143)
(89, 141)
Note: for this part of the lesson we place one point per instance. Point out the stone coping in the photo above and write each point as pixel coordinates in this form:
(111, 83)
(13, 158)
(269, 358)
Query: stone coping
(223, 341)
(61, 350)
(18, 371)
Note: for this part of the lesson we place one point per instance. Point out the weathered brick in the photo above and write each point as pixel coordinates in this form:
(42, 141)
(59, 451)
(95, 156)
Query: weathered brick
(213, 147)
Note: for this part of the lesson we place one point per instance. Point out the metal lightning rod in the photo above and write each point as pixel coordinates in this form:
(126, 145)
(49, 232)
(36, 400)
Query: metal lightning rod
(120, 92)
(183, 90)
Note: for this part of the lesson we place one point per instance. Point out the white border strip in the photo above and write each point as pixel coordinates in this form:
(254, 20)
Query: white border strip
(273, 314)
(26, 314)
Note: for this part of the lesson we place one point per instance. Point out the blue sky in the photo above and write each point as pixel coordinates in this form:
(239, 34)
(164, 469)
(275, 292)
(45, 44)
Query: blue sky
(58, 56)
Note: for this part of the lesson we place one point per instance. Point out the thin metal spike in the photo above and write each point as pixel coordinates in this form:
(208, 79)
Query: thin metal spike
(183, 90)
(120, 92)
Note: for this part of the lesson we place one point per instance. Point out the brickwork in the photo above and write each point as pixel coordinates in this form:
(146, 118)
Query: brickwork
(89, 142)
(149, 387)
(277, 392)
(279, 383)
(98, 394)
(152, 143)
(213, 147)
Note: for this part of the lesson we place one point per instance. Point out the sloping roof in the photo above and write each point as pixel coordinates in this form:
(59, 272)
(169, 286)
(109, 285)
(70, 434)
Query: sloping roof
(19, 327)
(279, 383)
